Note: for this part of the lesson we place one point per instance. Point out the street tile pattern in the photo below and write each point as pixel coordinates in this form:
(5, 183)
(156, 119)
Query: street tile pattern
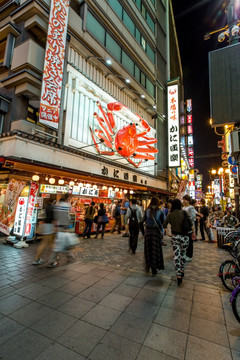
(104, 306)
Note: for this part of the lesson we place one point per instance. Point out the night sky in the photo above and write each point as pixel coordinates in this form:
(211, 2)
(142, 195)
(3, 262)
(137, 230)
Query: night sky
(192, 23)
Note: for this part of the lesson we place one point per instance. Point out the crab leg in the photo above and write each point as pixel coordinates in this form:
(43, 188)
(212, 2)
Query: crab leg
(111, 119)
(97, 147)
(148, 149)
(99, 134)
(144, 156)
(147, 142)
(107, 121)
(133, 163)
(101, 123)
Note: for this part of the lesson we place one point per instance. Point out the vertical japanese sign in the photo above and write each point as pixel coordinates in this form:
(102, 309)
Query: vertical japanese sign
(54, 63)
(30, 217)
(181, 189)
(173, 127)
(8, 210)
(190, 133)
(20, 216)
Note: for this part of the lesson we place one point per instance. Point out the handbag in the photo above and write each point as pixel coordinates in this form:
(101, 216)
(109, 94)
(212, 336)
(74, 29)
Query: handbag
(95, 219)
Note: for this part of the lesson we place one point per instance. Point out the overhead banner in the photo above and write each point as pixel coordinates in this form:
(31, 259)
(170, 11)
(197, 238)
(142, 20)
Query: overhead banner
(173, 127)
(53, 66)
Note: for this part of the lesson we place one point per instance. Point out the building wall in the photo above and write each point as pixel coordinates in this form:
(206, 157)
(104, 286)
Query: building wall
(133, 33)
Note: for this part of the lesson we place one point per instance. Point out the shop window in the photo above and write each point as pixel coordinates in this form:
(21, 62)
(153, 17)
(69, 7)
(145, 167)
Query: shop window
(143, 79)
(143, 11)
(143, 43)
(150, 22)
(128, 63)
(138, 36)
(137, 73)
(150, 87)
(151, 53)
(113, 47)
(117, 7)
(95, 28)
(128, 23)
(2, 50)
(33, 114)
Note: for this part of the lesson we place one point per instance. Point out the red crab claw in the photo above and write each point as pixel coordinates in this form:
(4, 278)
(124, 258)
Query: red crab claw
(99, 134)
(144, 124)
(115, 106)
(97, 147)
(102, 124)
(105, 118)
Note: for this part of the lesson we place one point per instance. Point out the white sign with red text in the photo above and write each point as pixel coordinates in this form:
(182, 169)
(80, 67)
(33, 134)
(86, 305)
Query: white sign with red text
(30, 209)
(20, 216)
(54, 63)
(173, 127)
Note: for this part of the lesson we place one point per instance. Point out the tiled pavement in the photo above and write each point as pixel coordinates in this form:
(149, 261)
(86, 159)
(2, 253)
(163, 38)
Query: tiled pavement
(105, 307)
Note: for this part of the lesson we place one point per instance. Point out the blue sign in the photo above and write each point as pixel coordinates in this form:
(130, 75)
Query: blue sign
(234, 169)
(222, 194)
(232, 160)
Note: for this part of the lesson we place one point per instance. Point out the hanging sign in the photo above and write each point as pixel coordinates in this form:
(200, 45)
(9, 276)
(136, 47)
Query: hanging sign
(89, 191)
(54, 62)
(173, 127)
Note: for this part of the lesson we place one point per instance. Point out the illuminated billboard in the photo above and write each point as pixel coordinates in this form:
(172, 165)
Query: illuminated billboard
(173, 127)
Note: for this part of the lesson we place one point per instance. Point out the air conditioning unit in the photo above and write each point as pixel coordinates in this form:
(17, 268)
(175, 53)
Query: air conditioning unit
(234, 142)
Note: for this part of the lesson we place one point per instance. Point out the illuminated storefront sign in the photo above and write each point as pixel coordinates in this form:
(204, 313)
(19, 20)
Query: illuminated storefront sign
(30, 217)
(20, 216)
(89, 191)
(191, 184)
(54, 62)
(190, 133)
(53, 189)
(173, 127)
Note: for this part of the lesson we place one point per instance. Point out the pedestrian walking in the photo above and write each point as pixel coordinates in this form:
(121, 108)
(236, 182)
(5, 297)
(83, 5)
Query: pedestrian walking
(61, 219)
(134, 216)
(192, 214)
(124, 207)
(101, 221)
(46, 230)
(194, 204)
(153, 219)
(89, 216)
(117, 217)
(180, 226)
(204, 212)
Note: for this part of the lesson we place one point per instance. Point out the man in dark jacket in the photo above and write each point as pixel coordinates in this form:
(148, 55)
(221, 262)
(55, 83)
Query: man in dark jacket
(204, 212)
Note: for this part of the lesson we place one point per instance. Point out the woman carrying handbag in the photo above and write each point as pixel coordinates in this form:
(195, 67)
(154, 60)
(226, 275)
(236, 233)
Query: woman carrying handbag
(102, 220)
(153, 220)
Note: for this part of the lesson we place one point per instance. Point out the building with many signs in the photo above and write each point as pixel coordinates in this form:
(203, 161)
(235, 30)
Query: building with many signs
(83, 103)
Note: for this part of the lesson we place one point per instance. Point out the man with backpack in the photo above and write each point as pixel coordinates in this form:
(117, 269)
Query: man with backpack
(117, 217)
(134, 216)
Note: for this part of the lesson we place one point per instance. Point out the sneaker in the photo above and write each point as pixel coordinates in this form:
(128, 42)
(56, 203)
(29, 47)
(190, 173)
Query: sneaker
(52, 265)
(38, 262)
(188, 259)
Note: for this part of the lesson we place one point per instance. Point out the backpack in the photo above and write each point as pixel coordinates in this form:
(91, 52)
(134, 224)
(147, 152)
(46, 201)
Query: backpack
(186, 224)
(133, 221)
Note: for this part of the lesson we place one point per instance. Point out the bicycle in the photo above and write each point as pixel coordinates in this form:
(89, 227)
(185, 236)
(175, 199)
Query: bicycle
(230, 269)
(235, 299)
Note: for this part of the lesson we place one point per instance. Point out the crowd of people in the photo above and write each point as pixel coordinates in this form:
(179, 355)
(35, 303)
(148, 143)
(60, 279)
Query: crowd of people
(181, 220)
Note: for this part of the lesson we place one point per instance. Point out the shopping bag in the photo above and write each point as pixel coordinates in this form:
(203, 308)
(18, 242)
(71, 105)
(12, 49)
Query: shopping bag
(60, 242)
(71, 240)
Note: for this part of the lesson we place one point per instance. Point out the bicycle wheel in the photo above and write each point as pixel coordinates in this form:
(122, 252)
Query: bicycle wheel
(236, 305)
(228, 270)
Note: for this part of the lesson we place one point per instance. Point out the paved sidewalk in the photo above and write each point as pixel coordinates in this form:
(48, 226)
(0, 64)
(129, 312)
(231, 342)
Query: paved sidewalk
(105, 307)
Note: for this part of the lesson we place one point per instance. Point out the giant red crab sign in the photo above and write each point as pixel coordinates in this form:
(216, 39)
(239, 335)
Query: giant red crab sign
(127, 141)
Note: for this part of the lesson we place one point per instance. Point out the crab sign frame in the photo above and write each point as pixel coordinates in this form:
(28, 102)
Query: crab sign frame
(127, 141)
